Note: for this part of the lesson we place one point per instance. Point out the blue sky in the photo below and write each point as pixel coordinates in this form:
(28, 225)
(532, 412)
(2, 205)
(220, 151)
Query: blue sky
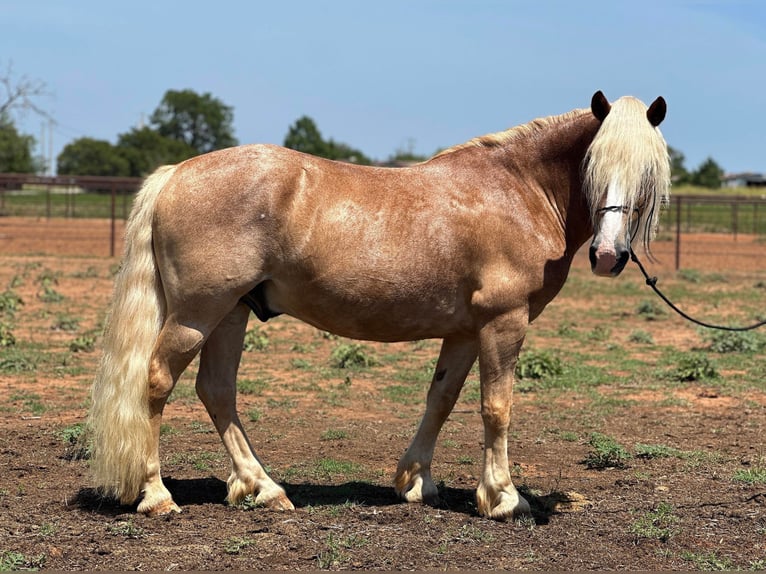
(393, 74)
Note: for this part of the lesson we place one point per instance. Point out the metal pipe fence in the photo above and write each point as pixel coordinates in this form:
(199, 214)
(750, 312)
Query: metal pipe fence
(86, 215)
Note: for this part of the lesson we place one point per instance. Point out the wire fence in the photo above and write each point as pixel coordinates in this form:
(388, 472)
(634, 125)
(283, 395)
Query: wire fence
(86, 216)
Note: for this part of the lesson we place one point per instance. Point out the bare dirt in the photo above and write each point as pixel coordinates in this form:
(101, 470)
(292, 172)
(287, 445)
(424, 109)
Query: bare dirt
(333, 437)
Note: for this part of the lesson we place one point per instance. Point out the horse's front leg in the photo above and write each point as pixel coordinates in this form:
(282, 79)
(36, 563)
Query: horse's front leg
(217, 388)
(500, 341)
(413, 480)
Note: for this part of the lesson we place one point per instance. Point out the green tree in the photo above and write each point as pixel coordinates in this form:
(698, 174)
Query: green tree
(201, 121)
(678, 172)
(88, 156)
(145, 150)
(15, 149)
(304, 136)
(708, 174)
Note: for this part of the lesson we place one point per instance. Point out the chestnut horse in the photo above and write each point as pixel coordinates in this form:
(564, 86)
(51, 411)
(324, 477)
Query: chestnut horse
(467, 247)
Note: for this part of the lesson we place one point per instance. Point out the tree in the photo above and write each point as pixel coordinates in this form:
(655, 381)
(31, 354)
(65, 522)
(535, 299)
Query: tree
(20, 95)
(88, 156)
(304, 136)
(15, 149)
(201, 121)
(145, 150)
(708, 174)
(678, 172)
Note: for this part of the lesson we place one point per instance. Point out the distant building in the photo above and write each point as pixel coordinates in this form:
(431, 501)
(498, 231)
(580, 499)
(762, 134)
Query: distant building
(744, 180)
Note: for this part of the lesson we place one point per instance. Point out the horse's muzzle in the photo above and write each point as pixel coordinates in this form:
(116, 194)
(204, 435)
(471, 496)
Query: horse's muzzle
(607, 263)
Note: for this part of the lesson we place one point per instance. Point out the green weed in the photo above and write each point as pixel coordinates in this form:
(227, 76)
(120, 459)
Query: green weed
(734, 342)
(14, 561)
(10, 303)
(751, 475)
(236, 544)
(694, 367)
(333, 434)
(66, 323)
(641, 337)
(650, 451)
(332, 467)
(254, 415)
(255, 340)
(125, 528)
(252, 386)
(352, 355)
(709, 561)
(7, 339)
(538, 365)
(605, 452)
(659, 524)
(49, 295)
(83, 344)
(650, 310)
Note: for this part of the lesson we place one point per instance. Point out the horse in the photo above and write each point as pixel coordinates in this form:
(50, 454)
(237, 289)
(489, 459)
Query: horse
(467, 247)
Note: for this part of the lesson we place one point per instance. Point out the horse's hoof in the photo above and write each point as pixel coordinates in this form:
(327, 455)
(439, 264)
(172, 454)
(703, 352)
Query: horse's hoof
(279, 502)
(507, 507)
(161, 509)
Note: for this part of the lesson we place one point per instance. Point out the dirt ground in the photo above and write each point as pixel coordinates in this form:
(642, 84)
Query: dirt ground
(333, 437)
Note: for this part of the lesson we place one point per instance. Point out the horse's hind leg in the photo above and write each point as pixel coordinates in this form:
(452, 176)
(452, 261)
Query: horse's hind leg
(413, 480)
(216, 387)
(176, 346)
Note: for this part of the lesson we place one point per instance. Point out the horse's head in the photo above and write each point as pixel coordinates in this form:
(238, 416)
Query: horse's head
(627, 178)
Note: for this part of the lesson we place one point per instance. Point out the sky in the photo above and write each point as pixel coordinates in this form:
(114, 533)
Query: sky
(391, 75)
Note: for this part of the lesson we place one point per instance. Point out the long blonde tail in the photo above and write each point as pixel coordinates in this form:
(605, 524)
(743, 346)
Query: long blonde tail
(119, 415)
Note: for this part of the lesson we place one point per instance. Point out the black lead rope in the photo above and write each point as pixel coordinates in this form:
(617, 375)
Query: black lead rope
(652, 282)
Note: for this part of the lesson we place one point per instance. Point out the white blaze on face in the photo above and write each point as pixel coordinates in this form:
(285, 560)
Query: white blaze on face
(610, 230)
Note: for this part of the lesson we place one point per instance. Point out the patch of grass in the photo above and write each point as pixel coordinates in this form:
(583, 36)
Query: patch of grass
(30, 402)
(125, 528)
(755, 475)
(659, 524)
(255, 340)
(252, 386)
(11, 561)
(333, 555)
(650, 310)
(83, 344)
(236, 544)
(352, 355)
(10, 302)
(694, 367)
(650, 451)
(403, 394)
(641, 337)
(333, 434)
(66, 323)
(254, 415)
(301, 364)
(605, 452)
(7, 339)
(599, 333)
(74, 437)
(709, 561)
(333, 467)
(734, 342)
(49, 295)
(538, 365)
(689, 275)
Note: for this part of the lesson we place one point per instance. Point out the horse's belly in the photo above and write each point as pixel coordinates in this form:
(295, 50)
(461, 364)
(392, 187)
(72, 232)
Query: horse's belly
(383, 313)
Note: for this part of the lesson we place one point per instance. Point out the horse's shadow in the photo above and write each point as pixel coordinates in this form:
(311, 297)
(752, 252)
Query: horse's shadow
(211, 490)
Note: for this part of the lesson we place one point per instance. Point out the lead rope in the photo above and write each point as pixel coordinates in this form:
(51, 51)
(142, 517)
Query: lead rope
(652, 282)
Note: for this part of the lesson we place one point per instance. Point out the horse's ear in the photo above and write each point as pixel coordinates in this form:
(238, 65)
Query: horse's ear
(600, 106)
(656, 112)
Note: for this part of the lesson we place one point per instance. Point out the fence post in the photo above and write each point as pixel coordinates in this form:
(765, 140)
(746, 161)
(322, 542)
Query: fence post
(734, 217)
(678, 232)
(112, 231)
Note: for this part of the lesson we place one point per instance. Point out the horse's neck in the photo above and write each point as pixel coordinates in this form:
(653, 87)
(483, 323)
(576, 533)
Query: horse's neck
(554, 158)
